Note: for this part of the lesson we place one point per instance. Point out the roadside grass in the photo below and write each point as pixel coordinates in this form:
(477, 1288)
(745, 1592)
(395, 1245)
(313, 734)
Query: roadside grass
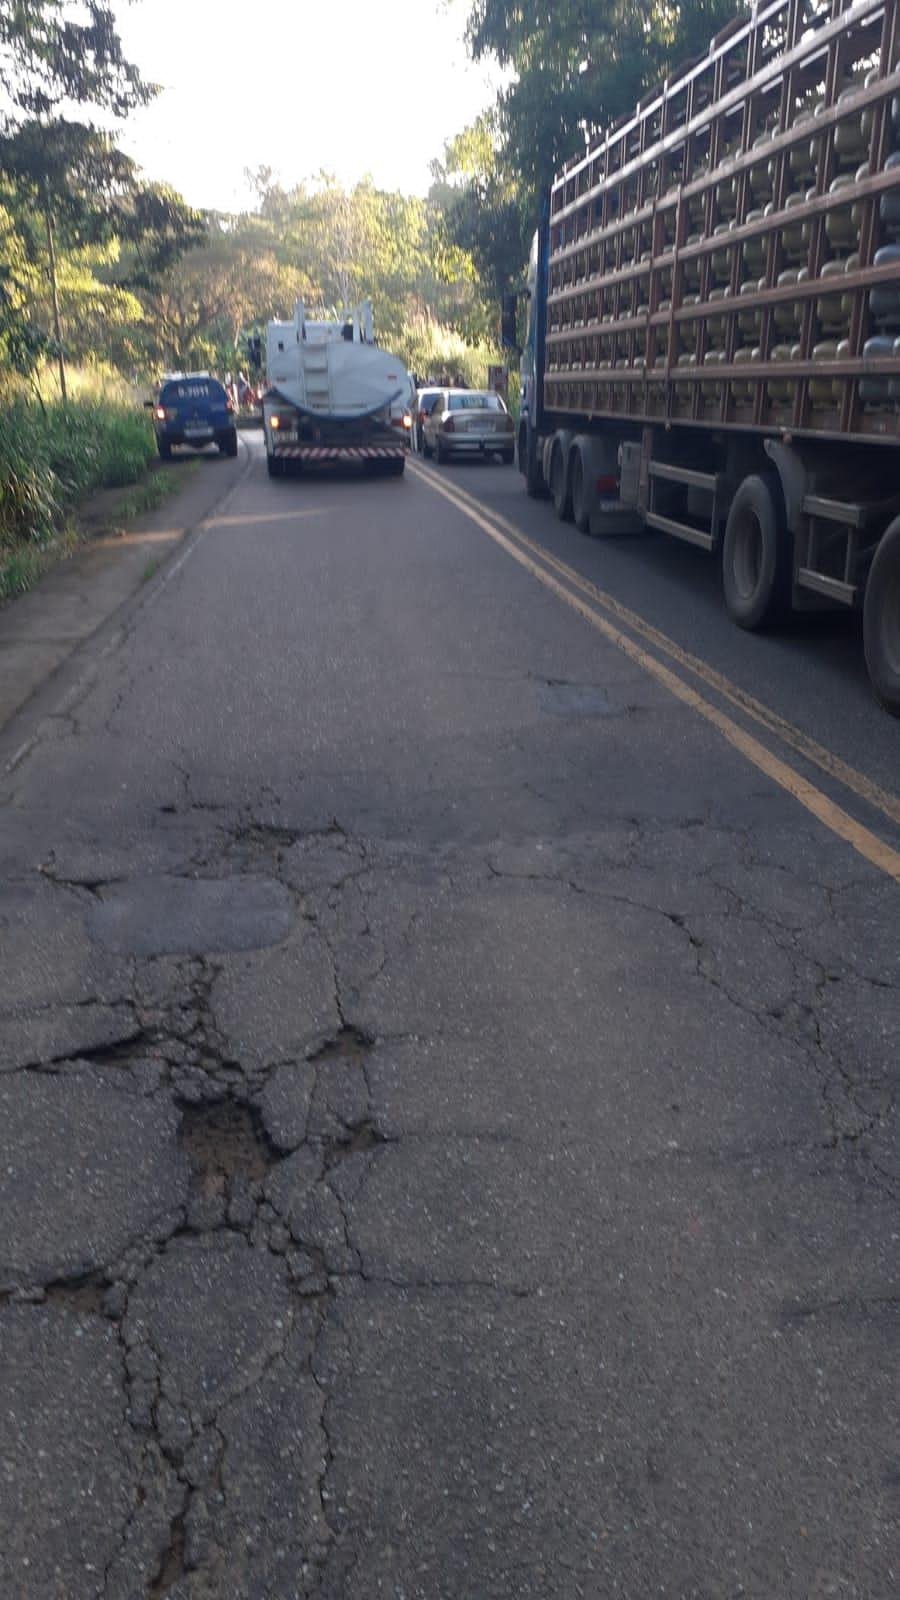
(22, 566)
(153, 491)
(52, 458)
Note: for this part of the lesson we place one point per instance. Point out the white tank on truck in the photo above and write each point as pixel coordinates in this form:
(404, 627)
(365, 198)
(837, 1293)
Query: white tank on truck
(713, 343)
(334, 395)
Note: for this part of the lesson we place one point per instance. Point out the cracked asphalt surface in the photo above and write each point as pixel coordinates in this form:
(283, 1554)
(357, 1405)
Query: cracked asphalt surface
(446, 1141)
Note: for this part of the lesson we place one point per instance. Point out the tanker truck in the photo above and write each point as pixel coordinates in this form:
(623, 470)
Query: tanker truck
(713, 330)
(334, 396)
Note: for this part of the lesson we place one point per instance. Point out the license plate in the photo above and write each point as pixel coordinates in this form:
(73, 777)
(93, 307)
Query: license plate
(197, 430)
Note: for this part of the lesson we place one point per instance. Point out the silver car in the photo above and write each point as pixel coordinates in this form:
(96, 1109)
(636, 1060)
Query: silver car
(471, 422)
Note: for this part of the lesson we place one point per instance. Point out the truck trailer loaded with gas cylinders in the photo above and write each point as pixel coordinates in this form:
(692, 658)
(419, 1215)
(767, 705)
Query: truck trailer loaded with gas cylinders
(713, 344)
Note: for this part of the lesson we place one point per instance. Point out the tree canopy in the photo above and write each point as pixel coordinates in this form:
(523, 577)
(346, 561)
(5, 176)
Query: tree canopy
(53, 52)
(578, 65)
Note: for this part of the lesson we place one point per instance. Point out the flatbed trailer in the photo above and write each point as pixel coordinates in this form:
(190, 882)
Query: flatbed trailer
(713, 346)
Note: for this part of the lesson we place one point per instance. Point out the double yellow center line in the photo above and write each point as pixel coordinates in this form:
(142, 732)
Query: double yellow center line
(599, 608)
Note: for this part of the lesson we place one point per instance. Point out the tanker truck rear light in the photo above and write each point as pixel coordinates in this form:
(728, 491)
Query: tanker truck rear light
(607, 483)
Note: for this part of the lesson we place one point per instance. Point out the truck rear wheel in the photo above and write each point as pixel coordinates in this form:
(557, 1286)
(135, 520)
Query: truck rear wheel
(755, 555)
(881, 620)
(581, 515)
(275, 466)
(529, 463)
(559, 484)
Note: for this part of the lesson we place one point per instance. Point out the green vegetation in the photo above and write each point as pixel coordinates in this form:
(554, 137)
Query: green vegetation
(154, 490)
(51, 458)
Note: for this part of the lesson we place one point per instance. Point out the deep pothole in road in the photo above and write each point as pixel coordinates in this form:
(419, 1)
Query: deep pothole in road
(224, 1141)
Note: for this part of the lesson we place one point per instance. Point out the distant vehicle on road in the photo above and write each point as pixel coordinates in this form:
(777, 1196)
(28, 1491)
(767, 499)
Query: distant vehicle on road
(471, 422)
(193, 409)
(334, 395)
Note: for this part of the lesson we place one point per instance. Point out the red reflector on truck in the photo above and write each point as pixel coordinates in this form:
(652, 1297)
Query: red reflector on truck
(607, 483)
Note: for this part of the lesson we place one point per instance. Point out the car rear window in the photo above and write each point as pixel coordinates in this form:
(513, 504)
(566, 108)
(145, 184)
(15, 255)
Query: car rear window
(193, 389)
(475, 402)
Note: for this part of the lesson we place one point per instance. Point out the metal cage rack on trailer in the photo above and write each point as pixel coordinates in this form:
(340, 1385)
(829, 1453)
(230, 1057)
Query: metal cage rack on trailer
(730, 255)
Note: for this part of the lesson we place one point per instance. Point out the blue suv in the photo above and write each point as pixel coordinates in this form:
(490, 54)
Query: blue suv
(192, 408)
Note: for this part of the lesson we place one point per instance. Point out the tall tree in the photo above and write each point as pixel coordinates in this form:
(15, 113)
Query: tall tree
(196, 311)
(578, 65)
(82, 191)
(54, 51)
(482, 207)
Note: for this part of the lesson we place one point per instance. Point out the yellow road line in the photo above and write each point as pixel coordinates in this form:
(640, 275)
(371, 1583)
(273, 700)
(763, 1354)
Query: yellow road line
(838, 821)
(882, 799)
(267, 516)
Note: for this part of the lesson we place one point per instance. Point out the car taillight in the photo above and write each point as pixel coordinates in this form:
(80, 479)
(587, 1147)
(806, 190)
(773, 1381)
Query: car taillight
(161, 413)
(449, 425)
(423, 417)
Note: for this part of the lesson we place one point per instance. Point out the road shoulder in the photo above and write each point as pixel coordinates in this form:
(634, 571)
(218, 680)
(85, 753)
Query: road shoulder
(42, 629)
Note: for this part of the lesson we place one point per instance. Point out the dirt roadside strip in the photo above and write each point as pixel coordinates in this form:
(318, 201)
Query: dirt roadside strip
(42, 629)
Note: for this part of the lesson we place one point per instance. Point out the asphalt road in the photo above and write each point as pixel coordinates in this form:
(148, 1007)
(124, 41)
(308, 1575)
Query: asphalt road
(446, 1078)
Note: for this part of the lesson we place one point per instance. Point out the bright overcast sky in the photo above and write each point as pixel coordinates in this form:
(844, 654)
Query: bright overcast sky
(354, 87)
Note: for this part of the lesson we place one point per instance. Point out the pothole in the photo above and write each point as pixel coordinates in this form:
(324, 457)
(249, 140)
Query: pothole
(349, 1045)
(223, 1142)
(85, 1295)
(172, 1568)
(564, 699)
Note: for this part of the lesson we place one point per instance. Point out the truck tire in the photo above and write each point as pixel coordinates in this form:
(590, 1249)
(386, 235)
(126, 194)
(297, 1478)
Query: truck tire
(581, 515)
(756, 568)
(275, 466)
(165, 449)
(559, 484)
(881, 620)
(394, 469)
(529, 462)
